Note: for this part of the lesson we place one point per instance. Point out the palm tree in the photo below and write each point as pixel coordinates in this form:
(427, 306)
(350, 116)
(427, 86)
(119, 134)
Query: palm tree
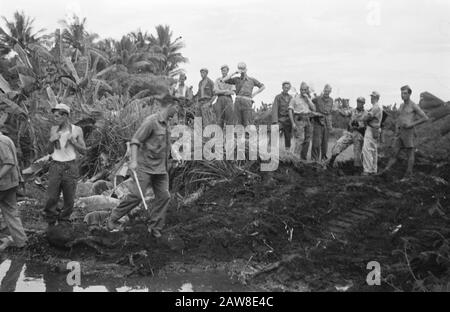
(134, 59)
(140, 38)
(19, 31)
(76, 36)
(170, 50)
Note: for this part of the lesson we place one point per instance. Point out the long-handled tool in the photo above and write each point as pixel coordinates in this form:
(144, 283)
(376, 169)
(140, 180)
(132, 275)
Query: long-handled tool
(140, 189)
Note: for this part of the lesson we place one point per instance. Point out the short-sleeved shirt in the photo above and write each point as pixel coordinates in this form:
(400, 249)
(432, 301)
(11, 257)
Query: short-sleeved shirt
(244, 86)
(205, 89)
(152, 137)
(324, 106)
(299, 105)
(280, 107)
(374, 116)
(8, 156)
(182, 91)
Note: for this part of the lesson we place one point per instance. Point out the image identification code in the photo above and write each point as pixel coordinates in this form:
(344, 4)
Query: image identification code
(246, 302)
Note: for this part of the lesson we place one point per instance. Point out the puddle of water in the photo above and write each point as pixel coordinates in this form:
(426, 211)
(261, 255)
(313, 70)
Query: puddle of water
(17, 275)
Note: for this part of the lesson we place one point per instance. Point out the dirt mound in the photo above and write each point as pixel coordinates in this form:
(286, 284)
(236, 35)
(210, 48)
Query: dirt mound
(300, 225)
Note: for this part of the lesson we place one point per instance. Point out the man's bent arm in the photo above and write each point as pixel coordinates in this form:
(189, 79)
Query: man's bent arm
(261, 89)
(423, 117)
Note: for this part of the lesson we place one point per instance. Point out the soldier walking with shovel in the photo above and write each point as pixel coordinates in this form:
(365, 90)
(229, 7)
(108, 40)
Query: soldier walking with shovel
(150, 150)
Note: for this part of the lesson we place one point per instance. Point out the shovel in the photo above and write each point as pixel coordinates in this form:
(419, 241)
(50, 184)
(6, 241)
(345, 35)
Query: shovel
(139, 188)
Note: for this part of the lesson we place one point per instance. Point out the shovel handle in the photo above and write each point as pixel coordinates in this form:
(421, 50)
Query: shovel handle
(140, 189)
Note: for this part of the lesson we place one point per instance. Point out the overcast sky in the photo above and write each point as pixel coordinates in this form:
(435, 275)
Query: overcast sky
(355, 45)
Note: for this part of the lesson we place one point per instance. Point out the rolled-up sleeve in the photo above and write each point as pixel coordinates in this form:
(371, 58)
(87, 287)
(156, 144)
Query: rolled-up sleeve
(143, 133)
(257, 83)
(6, 156)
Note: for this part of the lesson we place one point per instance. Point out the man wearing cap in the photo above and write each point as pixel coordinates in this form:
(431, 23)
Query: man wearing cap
(244, 93)
(354, 134)
(181, 90)
(150, 151)
(301, 108)
(9, 182)
(184, 94)
(66, 140)
(371, 137)
(205, 97)
(280, 113)
(322, 125)
(409, 116)
(224, 104)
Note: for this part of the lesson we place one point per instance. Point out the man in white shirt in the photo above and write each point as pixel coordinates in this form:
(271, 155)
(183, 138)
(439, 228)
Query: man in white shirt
(66, 140)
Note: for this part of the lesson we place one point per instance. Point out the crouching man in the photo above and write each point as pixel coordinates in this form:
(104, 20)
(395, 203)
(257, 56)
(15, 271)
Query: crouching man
(150, 150)
(354, 135)
(9, 181)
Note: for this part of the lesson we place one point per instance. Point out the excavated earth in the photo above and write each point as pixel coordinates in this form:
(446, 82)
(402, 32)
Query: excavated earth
(300, 228)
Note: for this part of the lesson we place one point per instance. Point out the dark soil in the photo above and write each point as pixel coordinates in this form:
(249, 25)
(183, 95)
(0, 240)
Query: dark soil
(299, 228)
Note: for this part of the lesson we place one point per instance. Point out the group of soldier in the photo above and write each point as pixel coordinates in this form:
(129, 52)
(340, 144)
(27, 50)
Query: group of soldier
(301, 117)
(306, 117)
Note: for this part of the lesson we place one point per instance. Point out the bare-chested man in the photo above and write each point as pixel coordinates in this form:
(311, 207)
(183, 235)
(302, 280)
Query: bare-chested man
(409, 116)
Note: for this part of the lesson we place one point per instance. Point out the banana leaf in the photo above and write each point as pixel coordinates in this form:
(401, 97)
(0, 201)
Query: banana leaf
(10, 106)
(41, 51)
(99, 54)
(69, 82)
(4, 85)
(105, 71)
(26, 81)
(72, 70)
(22, 56)
(51, 97)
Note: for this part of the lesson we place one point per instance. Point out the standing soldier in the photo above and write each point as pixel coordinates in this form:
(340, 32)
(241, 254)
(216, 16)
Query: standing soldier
(301, 108)
(205, 97)
(409, 116)
(280, 113)
(243, 104)
(354, 134)
(372, 135)
(181, 90)
(184, 94)
(150, 150)
(9, 182)
(224, 104)
(65, 141)
(322, 125)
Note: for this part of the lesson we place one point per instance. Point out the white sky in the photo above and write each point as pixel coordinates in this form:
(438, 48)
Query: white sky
(343, 43)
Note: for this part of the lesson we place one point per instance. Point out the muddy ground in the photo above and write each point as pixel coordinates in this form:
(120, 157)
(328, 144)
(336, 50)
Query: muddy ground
(301, 228)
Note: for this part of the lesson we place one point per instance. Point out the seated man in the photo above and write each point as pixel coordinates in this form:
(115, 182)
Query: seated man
(354, 134)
